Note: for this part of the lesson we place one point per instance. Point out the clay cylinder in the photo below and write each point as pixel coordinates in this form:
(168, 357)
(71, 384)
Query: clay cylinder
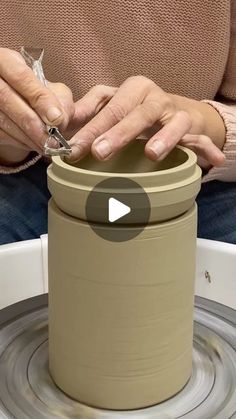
(121, 313)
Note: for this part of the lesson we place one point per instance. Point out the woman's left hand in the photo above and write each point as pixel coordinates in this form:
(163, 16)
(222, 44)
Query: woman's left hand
(140, 107)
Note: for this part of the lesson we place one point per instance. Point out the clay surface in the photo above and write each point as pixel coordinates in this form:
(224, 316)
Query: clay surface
(121, 314)
(171, 185)
(132, 160)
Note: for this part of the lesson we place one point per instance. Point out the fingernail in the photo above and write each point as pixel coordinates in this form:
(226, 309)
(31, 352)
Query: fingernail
(53, 114)
(103, 149)
(78, 152)
(158, 148)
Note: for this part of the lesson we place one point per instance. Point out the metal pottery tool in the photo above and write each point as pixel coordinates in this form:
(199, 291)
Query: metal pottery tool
(63, 149)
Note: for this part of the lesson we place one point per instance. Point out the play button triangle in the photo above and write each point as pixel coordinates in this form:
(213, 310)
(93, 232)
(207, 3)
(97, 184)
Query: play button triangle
(117, 210)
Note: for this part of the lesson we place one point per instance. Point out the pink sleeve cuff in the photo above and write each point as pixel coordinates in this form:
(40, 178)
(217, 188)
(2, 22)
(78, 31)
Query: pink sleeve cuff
(5, 170)
(227, 172)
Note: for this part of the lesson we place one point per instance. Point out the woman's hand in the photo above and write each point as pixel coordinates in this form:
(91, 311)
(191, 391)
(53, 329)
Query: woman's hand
(25, 105)
(140, 107)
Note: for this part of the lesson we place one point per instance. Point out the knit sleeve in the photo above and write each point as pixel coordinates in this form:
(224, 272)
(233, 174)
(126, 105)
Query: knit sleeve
(7, 170)
(227, 109)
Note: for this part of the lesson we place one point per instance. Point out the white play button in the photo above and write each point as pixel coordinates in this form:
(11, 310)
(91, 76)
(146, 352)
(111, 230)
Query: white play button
(116, 210)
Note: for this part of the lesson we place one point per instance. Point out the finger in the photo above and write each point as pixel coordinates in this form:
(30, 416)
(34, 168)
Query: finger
(65, 97)
(83, 139)
(137, 121)
(11, 151)
(13, 131)
(12, 105)
(8, 140)
(21, 78)
(204, 147)
(131, 93)
(167, 137)
(90, 104)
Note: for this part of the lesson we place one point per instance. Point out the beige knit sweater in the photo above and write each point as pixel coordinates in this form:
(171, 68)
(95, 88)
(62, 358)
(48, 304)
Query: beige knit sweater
(186, 47)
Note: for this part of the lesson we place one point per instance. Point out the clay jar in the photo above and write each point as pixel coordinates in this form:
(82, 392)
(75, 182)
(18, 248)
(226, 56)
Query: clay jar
(121, 313)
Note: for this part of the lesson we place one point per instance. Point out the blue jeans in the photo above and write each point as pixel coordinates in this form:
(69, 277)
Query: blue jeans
(217, 211)
(23, 204)
(24, 197)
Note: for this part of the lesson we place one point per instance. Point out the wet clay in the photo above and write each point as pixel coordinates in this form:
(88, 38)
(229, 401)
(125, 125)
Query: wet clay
(121, 314)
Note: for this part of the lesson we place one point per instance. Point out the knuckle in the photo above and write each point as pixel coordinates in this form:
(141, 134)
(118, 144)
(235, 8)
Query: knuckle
(6, 52)
(21, 75)
(145, 83)
(35, 94)
(4, 138)
(185, 116)
(149, 113)
(62, 89)
(115, 112)
(38, 97)
(201, 122)
(67, 115)
(103, 92)
(167, 103)
(132, 79)
(5, 92)
(62, 86)
(5, 123)
(204, 139)
(100, 87)
(92, 132)
(99, 90)
(16, 55)
(26, 122)
(3, 52)
(2, 119)
(32, 127)
(85, 113)
(140, 79)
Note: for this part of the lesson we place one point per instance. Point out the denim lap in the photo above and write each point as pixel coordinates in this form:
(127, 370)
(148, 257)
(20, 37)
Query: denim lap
(217, 211)
(24, 198)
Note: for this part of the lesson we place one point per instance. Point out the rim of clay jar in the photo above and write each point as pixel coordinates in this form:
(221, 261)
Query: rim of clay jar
(185, 173)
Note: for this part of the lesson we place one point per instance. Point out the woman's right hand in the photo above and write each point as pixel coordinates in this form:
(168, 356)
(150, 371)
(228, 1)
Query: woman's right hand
(25, 105)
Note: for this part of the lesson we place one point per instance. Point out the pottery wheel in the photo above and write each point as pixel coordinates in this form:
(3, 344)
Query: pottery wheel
(28, 392)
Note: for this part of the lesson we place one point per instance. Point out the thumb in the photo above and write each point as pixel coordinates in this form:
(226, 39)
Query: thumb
(65, 97)
(204, 147)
